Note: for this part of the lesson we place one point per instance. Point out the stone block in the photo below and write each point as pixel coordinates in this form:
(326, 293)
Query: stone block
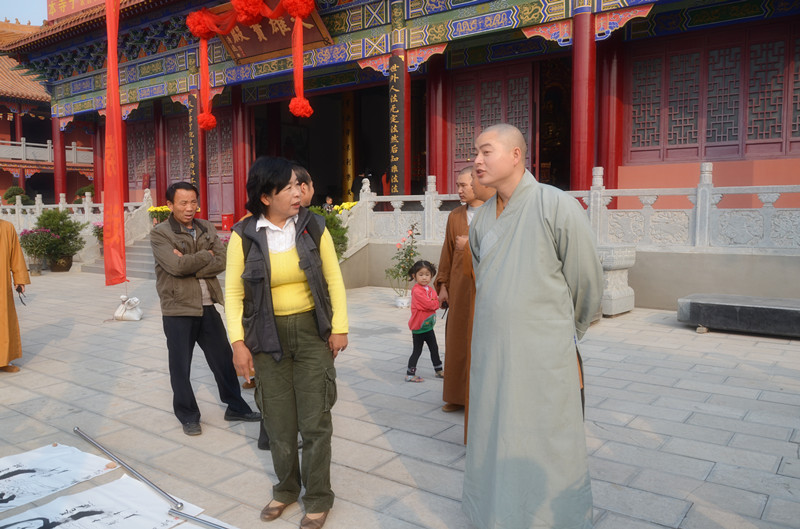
(639, 504)
(755, 315)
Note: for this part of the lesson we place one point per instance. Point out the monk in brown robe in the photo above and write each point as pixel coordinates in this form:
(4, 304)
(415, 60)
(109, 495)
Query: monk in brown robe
(456, 287)
(11, 262)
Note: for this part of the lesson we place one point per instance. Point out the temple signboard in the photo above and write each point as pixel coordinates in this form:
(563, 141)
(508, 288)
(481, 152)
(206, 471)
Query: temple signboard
(270, 38)
(61, 8)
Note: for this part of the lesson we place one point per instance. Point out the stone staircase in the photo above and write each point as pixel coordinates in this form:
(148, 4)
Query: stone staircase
(138, 258)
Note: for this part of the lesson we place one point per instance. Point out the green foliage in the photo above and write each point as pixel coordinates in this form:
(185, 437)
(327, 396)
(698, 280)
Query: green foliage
(404, 258)
(69, 240)
(338, 232)
(35, 242)
(80, 194)
(10, 196)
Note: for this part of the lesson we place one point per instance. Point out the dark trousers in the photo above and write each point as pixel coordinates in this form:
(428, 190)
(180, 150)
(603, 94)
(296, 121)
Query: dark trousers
(430, 339)
(296, 394)
(182, 333)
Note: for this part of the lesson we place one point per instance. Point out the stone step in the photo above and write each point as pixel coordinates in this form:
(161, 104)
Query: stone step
(131, 270)
(748, 314)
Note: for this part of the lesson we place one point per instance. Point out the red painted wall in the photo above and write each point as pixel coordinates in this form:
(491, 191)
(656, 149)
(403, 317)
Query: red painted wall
(784, 171)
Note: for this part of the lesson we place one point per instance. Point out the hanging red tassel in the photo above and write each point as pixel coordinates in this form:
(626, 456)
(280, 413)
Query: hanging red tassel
(248, 12)
(205, 25)
(299, 8)
(300, 107)
(206, 121)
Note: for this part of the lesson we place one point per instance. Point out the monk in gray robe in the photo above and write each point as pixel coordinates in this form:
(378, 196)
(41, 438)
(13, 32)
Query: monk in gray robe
(538, 284)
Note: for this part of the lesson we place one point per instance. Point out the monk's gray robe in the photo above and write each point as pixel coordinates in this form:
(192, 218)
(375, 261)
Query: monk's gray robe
(539, 283)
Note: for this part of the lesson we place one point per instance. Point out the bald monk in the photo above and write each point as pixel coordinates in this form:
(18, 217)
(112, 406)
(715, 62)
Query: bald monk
(538, 284)
(455, 284)
(12, 264)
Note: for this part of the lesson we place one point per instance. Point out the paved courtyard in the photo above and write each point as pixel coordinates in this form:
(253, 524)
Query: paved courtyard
(684, 430)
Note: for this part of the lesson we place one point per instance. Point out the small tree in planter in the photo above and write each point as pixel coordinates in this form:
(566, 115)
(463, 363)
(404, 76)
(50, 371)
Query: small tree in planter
(35, 244)
(60, 251)
(404, 258)
(10, 196)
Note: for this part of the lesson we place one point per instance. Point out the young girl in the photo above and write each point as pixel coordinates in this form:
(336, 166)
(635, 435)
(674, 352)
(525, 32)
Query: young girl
(424, 303)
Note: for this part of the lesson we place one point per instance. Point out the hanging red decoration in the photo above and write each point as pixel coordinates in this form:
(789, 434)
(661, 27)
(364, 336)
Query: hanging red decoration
(205, 25)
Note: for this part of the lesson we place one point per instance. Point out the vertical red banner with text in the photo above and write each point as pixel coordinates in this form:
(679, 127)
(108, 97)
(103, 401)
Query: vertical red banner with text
(114, 201)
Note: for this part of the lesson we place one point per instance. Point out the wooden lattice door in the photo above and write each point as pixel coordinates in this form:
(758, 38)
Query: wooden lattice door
(219, 153)
(141, 155)
(178, 154)
(485, 97)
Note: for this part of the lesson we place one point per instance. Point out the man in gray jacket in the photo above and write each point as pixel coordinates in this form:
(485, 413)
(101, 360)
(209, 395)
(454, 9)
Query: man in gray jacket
(189, 255)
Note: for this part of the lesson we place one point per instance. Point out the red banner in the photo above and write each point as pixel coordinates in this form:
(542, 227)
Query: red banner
(61, 8)
(115, 175)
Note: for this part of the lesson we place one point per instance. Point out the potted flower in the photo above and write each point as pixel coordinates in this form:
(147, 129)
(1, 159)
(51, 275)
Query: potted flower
(335, 227)
(97, 231)
(404, 258)
(158, 213)
(60, 251)
(35, 243)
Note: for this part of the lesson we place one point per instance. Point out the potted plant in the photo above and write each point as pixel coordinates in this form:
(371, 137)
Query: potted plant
(35, 243)
(97, 231)
(69, 242)
(404, 258)
(158, 213)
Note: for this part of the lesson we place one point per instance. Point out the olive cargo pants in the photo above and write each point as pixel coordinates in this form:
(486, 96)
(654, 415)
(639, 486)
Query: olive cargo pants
(296, 394)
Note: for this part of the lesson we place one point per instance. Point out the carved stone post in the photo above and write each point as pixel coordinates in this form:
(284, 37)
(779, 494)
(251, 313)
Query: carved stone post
(431, 205)
(595, 203)
(618, 297)
(703, 205)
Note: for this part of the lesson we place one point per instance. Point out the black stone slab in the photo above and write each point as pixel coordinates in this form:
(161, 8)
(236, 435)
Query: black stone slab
(772, 316)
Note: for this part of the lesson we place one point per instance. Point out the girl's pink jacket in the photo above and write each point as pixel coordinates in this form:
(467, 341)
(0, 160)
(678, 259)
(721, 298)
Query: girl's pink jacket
(423, 305)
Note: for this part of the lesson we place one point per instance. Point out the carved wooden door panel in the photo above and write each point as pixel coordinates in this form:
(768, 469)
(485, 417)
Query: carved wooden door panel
(219, 155)
(141, 154)
(485, 97)
(178, 150)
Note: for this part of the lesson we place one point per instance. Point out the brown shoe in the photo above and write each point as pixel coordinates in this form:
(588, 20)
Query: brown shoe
(452, 407)
(316, 523)
(9, 369)
(273, 510)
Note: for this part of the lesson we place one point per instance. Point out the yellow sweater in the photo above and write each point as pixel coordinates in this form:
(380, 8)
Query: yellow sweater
(290, 291)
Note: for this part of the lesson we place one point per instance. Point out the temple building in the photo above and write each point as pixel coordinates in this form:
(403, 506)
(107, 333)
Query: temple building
(27, 155)
(400, 89)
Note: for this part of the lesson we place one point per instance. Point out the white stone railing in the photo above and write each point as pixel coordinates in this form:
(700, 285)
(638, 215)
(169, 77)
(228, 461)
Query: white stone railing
(43, 152)
(703, 227)
(365, 224)
(137, 219)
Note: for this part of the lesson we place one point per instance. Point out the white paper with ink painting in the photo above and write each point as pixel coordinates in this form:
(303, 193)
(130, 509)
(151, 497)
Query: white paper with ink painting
(122, 504)
(32, 475)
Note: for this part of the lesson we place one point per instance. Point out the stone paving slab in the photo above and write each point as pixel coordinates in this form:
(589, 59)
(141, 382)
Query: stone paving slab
(684, 430)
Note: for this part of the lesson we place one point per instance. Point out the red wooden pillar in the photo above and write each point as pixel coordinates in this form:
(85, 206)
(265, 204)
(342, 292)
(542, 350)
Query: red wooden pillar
(611, 110)
(22, 178)
(97, 161)
(126, 186)
(59, 159)
(161, 152)
(18, 134)
(438, 131)
(583, 100)
(239, 153)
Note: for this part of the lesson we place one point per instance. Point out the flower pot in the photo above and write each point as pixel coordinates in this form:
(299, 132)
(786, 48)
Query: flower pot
(60, 264)
(35, 265)
(402, 302)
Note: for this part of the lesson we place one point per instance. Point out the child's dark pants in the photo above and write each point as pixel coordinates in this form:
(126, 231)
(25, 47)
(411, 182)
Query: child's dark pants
(430, 339)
